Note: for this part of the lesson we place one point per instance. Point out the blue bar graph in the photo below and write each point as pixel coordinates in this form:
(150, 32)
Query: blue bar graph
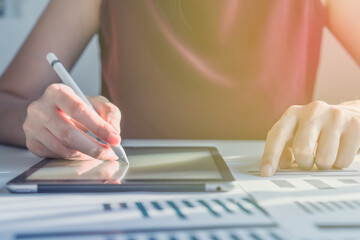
(239, 205)
(254, 236)
(123, 205)
(156, 205)
(223, 205)
(233, 236)
(275, 236)
(2, 8)
(107, 207)
(188, 204)
(216, 207)
(209, 208)
(270, 232)
(214, 237)
(142, 209)
(176, 209)
(252, 202)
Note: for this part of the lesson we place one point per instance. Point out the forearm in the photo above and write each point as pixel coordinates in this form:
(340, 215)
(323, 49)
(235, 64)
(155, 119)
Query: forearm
(12, 116)
(342, 20)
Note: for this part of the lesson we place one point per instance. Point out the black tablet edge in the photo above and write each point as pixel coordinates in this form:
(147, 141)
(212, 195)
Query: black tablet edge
(219, 161)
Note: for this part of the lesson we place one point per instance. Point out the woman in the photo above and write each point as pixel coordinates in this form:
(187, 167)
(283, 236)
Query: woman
(186, 69)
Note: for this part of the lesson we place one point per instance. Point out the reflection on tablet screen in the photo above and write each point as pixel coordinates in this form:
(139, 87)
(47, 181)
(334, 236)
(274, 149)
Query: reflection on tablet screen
(145, 164)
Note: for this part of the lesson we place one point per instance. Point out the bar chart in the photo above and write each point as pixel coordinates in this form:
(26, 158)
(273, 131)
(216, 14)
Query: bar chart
(331, 216)
(225, 233)
(210, 216)
(185, 210)
(326, 207)
(314, 173)
(305, 183)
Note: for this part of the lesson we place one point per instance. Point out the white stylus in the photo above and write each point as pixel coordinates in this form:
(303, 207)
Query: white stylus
(69, 81)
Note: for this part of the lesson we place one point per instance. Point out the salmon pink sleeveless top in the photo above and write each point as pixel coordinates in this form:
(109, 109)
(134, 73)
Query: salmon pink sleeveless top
(208, 69)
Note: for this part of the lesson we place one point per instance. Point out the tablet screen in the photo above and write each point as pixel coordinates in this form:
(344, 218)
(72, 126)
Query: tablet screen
(146, 164)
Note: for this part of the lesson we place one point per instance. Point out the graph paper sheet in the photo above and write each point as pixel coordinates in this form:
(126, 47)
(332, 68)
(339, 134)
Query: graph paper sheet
(309, 204)
(138, 216)
(291, 205)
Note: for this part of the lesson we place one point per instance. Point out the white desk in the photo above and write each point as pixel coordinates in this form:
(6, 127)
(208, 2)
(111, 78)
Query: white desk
(303, 205)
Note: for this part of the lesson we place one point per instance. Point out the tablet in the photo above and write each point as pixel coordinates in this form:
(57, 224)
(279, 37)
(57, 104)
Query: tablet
(155, 169)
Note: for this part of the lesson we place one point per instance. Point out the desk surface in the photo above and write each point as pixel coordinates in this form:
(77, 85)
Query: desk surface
(319, 204)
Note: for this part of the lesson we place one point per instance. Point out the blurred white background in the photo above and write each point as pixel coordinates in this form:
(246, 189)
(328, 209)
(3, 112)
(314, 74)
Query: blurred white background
(338, 75)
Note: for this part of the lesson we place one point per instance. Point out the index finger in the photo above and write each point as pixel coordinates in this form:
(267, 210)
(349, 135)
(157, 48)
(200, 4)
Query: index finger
(66, 100)
(276, 140)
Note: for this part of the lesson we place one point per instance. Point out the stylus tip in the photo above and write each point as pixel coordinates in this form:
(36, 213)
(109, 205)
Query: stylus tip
(119, 151)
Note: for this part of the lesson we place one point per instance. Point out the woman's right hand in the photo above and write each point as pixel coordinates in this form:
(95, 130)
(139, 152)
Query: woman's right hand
(56, 123)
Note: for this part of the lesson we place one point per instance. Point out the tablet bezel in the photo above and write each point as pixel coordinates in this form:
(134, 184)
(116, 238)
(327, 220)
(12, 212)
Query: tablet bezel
(221, 165)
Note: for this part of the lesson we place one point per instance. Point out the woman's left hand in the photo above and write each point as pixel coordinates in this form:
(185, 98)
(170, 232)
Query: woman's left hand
(327, 135)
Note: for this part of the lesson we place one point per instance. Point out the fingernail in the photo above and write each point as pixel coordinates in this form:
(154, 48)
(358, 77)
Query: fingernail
(266, 170)
(114, 138)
